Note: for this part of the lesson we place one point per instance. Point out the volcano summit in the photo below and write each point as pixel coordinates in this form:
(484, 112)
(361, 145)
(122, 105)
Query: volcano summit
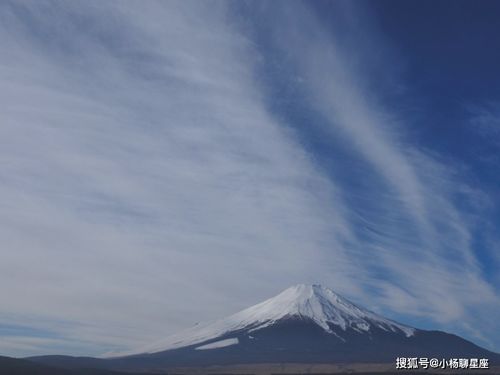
(303, 324)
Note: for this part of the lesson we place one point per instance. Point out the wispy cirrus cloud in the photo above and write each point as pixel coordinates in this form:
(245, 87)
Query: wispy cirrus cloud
(420, 215)
(147, 181)
(142, 176)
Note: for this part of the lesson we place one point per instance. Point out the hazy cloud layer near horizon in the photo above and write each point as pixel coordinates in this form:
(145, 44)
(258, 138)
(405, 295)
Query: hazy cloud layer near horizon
(153, 175)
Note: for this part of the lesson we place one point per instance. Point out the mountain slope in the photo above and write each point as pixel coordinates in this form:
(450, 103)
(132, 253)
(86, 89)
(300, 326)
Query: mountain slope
(318, 304)
(303, 324)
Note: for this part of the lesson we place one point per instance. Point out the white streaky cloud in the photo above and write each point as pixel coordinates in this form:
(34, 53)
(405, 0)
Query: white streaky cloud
(485, 121)
(145, 183)
(141, 172)
(420, 239)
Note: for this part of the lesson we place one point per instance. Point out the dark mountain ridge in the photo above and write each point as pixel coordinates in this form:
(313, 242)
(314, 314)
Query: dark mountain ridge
(303, 324)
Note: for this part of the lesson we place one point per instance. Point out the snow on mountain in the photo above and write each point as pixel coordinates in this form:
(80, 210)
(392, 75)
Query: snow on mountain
(314, 302)
(219, 344)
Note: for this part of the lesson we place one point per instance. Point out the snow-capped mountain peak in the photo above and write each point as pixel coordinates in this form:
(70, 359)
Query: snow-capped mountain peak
(314, 303)
(321, 305)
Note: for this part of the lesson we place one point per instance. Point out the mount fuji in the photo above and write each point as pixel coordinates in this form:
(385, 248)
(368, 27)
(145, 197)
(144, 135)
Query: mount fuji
(314, 306)
(303, 324)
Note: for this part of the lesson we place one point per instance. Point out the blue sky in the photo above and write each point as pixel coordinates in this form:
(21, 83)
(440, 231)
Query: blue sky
(164, 163)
